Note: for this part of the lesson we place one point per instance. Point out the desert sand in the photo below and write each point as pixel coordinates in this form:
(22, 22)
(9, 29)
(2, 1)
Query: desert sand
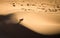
(41, 16)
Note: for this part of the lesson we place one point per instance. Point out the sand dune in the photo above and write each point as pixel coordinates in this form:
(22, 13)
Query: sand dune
(41, 16)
